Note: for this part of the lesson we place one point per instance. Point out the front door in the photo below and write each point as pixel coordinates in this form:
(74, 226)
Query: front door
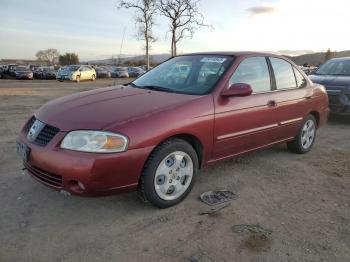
(246, 123)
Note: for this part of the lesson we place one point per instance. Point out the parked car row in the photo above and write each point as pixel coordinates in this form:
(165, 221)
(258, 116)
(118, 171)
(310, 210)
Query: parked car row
(308, 69)
(72, 72)
(110, 71)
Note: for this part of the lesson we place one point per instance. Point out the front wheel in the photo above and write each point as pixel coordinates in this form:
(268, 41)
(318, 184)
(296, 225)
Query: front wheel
(77, 79)
(305, 139)
(169, 173)
(93, 78)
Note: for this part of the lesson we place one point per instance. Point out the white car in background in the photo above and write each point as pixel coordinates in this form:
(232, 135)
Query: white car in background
(76, 73)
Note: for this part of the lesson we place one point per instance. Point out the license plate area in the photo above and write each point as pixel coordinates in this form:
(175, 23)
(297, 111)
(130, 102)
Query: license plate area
(23, 150)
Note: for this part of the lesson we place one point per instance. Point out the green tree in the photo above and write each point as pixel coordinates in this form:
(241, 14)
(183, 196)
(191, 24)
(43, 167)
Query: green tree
(328, 55)
(69, 59)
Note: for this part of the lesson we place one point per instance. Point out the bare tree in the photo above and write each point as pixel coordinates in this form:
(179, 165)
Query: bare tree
(184, 17)
(51, 55)
(145, 12)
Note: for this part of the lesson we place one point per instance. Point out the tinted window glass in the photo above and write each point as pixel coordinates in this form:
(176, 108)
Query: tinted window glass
(73, 67)
(301, 81)
(284, 74)
(255, 72)
(335, 67)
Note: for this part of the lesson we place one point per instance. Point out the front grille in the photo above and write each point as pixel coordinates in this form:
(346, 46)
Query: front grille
(45, 177)
(46, 134)
(334, 100)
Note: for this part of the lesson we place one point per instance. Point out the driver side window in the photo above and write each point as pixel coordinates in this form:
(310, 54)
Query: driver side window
(255, 72)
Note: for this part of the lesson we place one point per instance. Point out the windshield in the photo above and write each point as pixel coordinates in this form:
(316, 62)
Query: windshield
(121, 69)
(73, 67)
(21, 68)
(335, 67)
(192, 74)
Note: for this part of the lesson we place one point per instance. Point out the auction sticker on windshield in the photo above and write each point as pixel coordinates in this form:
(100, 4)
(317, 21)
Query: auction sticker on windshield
(213, 60)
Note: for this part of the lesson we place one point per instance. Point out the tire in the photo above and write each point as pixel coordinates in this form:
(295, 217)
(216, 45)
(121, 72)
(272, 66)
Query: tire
(77, 79)
(302, 144)
(163, 183)
(93, 78)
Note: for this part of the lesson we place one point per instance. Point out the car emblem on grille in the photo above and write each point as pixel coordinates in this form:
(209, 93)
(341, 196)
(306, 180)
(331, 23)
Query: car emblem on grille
(35, 130)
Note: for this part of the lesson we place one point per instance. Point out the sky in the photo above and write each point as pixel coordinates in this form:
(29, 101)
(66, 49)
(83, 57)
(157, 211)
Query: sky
(94, 29)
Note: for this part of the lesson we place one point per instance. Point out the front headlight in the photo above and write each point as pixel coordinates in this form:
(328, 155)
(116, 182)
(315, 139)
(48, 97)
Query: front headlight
(95, 141)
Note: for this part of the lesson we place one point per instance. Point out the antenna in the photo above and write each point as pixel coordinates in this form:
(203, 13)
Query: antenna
(121, 46)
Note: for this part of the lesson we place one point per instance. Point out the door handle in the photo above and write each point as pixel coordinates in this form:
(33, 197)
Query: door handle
(271, 103)
(308, 97)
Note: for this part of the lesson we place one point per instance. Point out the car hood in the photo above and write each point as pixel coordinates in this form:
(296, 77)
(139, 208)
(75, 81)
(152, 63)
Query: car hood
(331, 82)
(23, 72)
(105, 107)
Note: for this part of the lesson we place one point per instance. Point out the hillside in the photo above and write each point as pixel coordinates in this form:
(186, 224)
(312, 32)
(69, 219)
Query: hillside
(310, 58)
(317, 58)
(158, 58)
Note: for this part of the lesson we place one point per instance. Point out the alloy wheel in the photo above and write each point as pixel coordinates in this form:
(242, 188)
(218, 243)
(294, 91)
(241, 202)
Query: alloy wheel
(308, 134)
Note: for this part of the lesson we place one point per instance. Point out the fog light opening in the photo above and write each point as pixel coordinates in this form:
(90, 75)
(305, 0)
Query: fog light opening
(76, 186)
(81, 185)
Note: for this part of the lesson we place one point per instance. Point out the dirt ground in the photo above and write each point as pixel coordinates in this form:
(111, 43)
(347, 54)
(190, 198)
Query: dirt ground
(303, 199)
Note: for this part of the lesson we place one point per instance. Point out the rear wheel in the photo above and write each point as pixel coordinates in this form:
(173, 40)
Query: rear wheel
(93, 78)
(305, 139)
(169, 173)
(77, 79)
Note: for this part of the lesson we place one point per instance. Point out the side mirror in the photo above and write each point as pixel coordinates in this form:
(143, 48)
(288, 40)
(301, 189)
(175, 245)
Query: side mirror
(238, 89)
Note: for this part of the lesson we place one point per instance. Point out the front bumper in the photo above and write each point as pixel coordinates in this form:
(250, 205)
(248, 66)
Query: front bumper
(85, 174)
(65, 77)
(24, 76)
(339, 103)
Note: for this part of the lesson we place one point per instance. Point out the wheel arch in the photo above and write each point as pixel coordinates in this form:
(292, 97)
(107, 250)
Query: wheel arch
(317, 116)
(193, 140)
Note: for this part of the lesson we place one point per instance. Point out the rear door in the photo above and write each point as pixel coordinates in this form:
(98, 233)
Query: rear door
(246, 123)
(292, 97)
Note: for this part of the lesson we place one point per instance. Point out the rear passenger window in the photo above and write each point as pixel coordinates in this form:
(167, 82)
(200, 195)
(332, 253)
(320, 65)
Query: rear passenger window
(255, 72)
(301, 81)
(284, 74)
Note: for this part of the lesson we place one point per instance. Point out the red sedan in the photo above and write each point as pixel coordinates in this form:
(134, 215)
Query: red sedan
(155, 133)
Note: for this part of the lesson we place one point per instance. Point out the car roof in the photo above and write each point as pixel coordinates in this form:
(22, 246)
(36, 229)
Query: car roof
(340, 58)
(233, 53)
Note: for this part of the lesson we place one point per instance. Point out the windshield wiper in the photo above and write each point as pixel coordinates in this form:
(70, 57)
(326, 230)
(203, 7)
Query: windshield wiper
(158, 88)
(132, 84)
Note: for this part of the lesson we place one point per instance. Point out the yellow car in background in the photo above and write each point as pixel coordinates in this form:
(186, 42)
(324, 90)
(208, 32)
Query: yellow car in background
(76, 73)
